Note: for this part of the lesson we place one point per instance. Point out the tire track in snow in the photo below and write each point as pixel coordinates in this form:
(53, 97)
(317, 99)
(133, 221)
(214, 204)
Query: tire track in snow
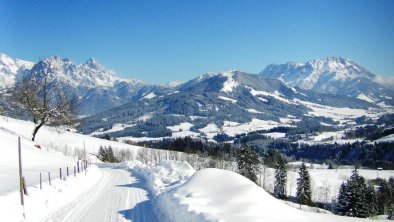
(117, 197)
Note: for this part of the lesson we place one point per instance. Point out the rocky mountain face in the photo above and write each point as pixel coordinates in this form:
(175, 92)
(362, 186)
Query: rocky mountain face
(332, 75)
(11, 68)
(97, 88)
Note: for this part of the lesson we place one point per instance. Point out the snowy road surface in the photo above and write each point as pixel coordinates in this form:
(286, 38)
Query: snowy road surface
(119, 196)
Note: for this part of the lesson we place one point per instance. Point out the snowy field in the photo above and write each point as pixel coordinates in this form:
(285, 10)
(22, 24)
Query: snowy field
(325, 182)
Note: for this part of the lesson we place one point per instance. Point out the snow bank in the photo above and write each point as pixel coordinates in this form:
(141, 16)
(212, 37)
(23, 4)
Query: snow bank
(163, 176)
(219, 195)
(41, 203)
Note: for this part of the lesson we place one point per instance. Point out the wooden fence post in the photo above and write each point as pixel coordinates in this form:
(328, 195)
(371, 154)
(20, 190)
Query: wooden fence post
(67, 172)
(20, 171)
(49, 178)
(40, 182)
(75, 172)
(24, 186)
(60, 173)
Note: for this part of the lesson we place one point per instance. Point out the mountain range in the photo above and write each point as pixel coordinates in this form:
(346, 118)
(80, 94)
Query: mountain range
(331, 91)
(332, 75)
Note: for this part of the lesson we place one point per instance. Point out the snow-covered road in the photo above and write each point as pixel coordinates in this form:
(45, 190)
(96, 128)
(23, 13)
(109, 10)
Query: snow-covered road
(119, 196)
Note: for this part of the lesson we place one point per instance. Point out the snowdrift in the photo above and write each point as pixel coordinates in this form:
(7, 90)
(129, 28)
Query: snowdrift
(219, 195)
(164, 176)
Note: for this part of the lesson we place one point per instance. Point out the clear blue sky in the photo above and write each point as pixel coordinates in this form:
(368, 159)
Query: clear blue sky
(161, 41)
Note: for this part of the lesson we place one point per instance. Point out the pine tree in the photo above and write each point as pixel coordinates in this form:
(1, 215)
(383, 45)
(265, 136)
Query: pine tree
(248, 163)
(304, 190)
(385, 196)
(371, 201)
(342, 200)
(352, 197)
(280, 179)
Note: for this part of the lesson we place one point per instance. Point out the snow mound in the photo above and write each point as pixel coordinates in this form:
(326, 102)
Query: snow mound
(164, 175)
(219, 195)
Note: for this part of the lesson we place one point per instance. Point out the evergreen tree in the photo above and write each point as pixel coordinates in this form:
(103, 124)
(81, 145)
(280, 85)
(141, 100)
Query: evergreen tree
(280, 179)
(352, 197)
(107, 154)
(371, 201)
(304, 190)
(385, 197)
(390, 212)
(248, 163)
(342, 200)
(102, 154)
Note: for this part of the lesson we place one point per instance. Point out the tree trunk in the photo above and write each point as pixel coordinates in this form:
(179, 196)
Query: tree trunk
(36, 130)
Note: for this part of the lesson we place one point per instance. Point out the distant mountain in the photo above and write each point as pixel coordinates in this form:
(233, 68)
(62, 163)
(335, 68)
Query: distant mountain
(332, 75)
(229, 102)
(10, 68)
(98, 89)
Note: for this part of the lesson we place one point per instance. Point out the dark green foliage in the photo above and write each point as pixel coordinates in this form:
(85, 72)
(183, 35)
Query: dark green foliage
(248, 163)
(366, 154)
(106, 154)
(371, 201)
(280, 179)
(304, 189)
(271, 158)
(352, 197)
(385, 196)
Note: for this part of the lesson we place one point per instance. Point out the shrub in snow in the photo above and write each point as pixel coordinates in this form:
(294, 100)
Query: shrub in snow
(248, 163)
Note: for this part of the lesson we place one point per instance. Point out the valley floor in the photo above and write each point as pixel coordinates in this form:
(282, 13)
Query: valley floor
(118, 196)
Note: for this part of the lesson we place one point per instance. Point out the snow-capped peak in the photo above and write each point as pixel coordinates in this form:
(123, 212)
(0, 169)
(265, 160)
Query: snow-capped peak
(318, 74)
(88, 74)
(10, 68)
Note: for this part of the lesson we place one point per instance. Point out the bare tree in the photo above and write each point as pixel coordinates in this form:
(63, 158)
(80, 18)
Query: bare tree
(47, 102)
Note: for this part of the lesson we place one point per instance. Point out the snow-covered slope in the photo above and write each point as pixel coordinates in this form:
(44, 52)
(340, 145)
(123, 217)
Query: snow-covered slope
(334, 75)
(53, 144)
(10, 68)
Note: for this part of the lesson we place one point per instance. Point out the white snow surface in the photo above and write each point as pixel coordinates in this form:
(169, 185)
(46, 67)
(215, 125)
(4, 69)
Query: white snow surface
(227, 99)
(149, 96)
(231, 83)
(219, 195)
(164, 176)
(389, 138)
(10, 68)
(362, 96)
(45, 159)
(41, 204)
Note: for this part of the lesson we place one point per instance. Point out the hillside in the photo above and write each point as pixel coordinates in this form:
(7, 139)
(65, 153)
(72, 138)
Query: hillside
(229, 102)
